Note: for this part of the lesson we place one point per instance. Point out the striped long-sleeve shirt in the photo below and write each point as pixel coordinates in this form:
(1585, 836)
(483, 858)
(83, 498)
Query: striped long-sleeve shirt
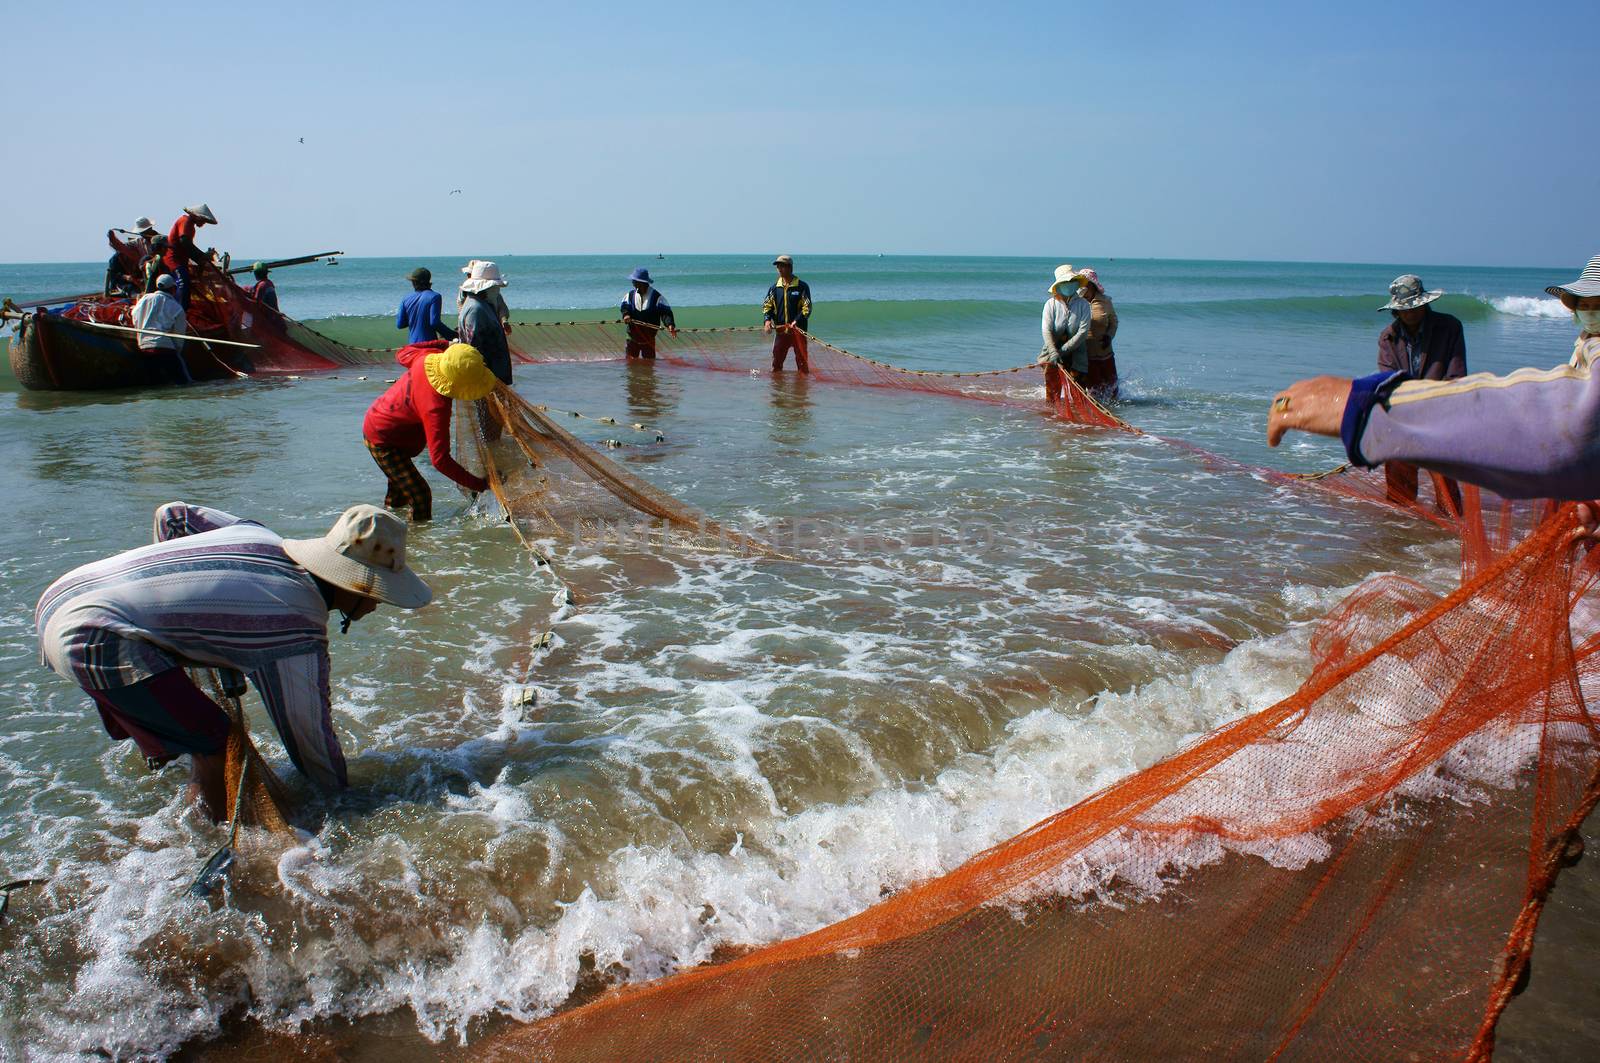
(213, 591)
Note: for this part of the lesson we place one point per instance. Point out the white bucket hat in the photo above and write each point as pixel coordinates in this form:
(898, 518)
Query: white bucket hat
(141, 225)
(484, 275)
(1064, 275)
(200, 210)
(471, 265)
(364, 552)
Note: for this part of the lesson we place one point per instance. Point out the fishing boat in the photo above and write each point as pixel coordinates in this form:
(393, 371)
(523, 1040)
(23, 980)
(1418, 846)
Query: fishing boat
(52, 352)
(85, 342)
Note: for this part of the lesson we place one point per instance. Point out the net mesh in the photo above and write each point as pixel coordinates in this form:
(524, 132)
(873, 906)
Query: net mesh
(553, 485)
(1355, 872)
(263, 800)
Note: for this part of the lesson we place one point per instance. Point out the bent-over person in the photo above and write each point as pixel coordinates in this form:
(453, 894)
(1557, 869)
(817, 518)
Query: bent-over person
(216, 591)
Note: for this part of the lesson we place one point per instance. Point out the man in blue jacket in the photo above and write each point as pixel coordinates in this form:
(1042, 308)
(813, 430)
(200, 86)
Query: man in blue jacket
(419, 312)
(646, 313)
(786, 312)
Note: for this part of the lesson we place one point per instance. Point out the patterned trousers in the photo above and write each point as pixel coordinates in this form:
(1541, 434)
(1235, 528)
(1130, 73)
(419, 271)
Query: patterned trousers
(407, 488)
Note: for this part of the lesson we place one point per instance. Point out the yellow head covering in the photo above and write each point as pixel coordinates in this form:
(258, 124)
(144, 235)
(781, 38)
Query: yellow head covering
(458, 372)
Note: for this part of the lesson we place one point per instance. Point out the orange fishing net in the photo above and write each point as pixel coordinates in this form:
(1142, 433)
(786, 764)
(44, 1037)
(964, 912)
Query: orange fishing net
(553, 485)
(1352, 873)
(265, 801)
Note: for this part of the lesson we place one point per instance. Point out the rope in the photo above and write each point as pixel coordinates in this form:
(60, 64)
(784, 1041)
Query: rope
(637, 427)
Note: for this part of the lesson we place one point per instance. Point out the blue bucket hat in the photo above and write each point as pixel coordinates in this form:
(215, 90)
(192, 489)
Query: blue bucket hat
(640, 274)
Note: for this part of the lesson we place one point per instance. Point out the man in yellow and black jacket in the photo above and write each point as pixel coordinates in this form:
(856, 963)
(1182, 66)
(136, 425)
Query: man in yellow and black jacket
(786, 312)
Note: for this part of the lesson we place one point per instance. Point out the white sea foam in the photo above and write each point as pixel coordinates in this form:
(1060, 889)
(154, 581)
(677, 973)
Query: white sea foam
(1530, 306)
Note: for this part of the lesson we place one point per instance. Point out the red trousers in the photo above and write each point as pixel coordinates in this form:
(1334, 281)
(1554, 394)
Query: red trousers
(786, 340)
(1055, 380)
(1400, 482)
(1102, 374)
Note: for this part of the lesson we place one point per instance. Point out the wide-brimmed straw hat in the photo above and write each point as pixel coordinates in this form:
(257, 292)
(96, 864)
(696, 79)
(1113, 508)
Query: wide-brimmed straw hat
(459, 372)
(640, 275)
(484, 275)
(1587, 284)
(1089, 276)
(1407, 293)
(364, 552)
(201, 211)
(143, 225)
(1065, 274)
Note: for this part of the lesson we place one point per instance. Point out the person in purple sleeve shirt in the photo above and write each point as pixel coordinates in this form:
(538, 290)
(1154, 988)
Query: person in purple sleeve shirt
(1534, 433)
(1425, 345)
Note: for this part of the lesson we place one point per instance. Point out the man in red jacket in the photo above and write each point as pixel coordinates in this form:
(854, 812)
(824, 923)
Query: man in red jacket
(414, 414)
(181, 250)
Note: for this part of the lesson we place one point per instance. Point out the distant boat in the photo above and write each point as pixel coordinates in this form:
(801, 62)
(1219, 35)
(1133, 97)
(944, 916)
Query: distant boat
(333, 262)
(661, 256)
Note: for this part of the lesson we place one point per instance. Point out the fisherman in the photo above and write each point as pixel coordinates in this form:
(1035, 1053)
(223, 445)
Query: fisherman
(1582, 297)
(496, 300)
(154, 266)
(414, 415)
(1102, 375)
(419, 311)
(181, 249)
(216, 591)
(787, 311)
(1534, 433)
(1426, 345)
(481, 325)
(160, 312)
(646, 313)
(119, 283)
(263, 290)
(1066, 323)
(123, 281)
(144, 234)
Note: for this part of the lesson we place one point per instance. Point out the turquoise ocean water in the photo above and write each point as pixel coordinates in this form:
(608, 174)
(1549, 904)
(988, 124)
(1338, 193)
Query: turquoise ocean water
(724, 752)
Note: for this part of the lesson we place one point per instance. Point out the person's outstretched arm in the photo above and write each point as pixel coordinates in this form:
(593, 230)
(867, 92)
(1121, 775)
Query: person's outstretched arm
(1534, 433)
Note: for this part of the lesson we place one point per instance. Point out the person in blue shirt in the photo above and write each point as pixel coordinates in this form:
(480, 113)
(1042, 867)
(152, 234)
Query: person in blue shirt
(420, 310)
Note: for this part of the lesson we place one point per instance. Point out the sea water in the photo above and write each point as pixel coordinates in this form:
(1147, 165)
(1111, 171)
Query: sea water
(721, 752)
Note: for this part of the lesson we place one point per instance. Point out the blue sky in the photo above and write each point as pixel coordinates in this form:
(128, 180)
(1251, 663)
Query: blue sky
(1424, 133)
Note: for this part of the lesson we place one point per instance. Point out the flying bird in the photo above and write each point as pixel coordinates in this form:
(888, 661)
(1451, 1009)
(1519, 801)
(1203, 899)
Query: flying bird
(455, 191)
(302, 140)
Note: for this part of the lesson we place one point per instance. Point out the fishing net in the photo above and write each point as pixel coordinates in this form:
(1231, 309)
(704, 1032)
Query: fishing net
(553, 485)
(266, 803)
(749, 350)
(1354, 873)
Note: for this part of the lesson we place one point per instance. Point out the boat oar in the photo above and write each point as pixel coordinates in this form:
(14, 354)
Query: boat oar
(281, 262)
(222, 859)
(232, 685)
(5, 892)
(170, 335)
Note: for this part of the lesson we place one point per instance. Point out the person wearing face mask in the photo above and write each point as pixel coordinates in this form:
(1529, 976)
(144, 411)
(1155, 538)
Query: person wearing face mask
(216, 591)
(1425, 345)
(1582, 297)
(1067, 317)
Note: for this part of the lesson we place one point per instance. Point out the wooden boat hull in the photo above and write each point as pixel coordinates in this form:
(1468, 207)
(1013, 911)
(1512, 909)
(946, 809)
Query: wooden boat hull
(52, 353)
